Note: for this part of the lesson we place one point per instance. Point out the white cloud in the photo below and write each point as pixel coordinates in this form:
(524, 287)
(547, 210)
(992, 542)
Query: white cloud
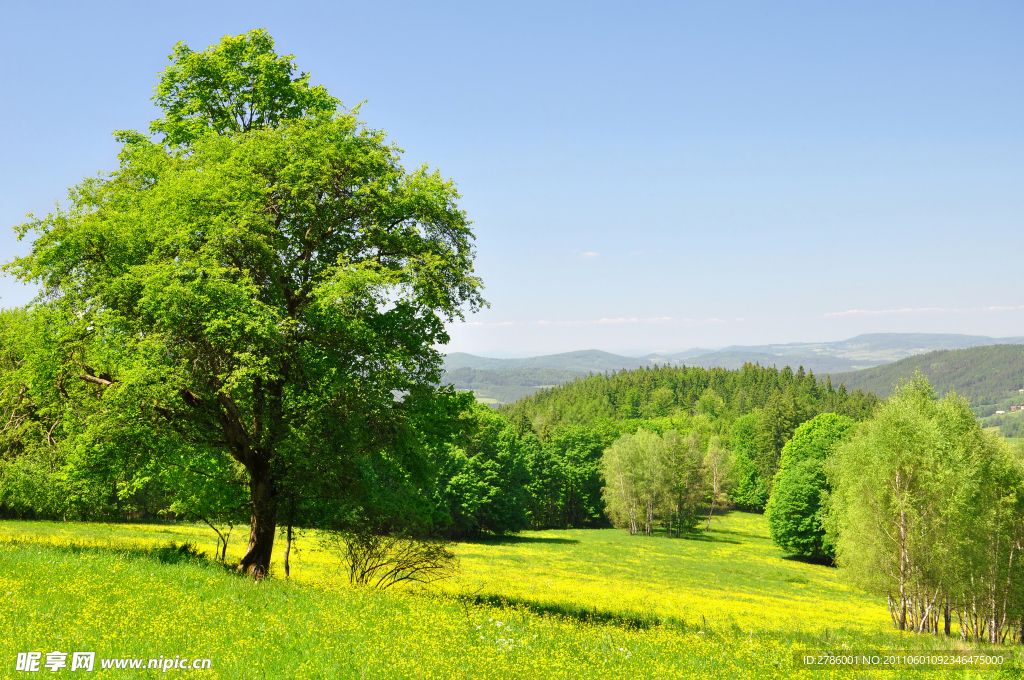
(919, 310)
(603, 321)
(590, 254)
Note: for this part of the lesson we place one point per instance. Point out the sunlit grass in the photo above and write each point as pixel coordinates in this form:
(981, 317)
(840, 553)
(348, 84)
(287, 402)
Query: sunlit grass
(561, 604)
(730, 578)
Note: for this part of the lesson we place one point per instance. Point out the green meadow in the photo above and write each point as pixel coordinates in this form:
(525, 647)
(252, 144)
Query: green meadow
(541, 604)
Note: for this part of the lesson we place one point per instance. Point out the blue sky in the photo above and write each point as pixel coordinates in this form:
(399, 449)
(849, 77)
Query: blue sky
(642, 176)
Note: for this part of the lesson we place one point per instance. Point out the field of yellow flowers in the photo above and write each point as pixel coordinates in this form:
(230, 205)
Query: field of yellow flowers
(552, 604)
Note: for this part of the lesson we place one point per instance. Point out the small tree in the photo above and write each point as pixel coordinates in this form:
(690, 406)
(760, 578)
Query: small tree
(927, 510)
(635, 473)
(685, 494)
(379, 561)
(716, 471)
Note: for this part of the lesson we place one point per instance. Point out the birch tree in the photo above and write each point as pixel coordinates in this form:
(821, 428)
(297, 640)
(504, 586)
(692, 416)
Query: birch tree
(926, 510)
(716, 471)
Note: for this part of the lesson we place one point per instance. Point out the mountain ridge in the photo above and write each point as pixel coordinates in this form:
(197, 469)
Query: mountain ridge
(491, 380)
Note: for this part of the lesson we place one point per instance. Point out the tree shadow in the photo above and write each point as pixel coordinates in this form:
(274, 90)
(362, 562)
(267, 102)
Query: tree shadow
(819, 561)
(708, 537)
(168, 553)
(511, 539)
(567, 611)
(697, 534)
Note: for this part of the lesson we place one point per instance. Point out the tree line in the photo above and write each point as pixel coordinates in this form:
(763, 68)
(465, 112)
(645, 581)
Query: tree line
(477, 471)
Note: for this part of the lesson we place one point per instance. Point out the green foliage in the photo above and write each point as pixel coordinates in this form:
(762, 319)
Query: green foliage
(652, 393)
(482, 483)
(753, 411)
(796, 508)
(238, 85)
(251, 294)
(816, 438)
(775, 426)
(750, 489)
(572, 457)
(928, 510)
(652, 478)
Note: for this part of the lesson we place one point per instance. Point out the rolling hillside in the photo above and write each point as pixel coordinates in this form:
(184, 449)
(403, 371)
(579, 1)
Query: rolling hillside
(862, 351)
(508, 385)
(586, 361)
(989, 377)
(506, 380)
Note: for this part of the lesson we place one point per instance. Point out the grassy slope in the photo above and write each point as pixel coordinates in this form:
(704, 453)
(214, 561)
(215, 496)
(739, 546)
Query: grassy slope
(732, 579)
(731, 606)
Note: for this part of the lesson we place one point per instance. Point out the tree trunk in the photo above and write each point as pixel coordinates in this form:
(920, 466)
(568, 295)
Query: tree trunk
(287, 549)
(903, 571)
(947, 619)
(262, 523)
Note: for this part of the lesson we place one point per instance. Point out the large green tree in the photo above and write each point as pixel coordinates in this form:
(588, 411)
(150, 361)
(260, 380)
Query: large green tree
(262, 287)
(796, 508)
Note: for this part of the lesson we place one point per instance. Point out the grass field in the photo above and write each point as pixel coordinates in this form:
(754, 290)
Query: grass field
(561, 604)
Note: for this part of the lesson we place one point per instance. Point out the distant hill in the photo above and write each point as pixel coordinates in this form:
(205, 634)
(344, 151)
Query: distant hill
(863, 351)
(989, 377)
(840, 357)
(591, 360)
(735, 359)
(508, 385)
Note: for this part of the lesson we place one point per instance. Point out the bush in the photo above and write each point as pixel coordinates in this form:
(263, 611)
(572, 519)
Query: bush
(379, 562)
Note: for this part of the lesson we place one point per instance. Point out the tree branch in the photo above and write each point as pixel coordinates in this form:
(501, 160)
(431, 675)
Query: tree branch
(97, 381)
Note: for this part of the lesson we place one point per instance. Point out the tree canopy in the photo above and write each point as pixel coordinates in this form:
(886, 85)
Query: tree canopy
(258, 294)
(796, 508)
